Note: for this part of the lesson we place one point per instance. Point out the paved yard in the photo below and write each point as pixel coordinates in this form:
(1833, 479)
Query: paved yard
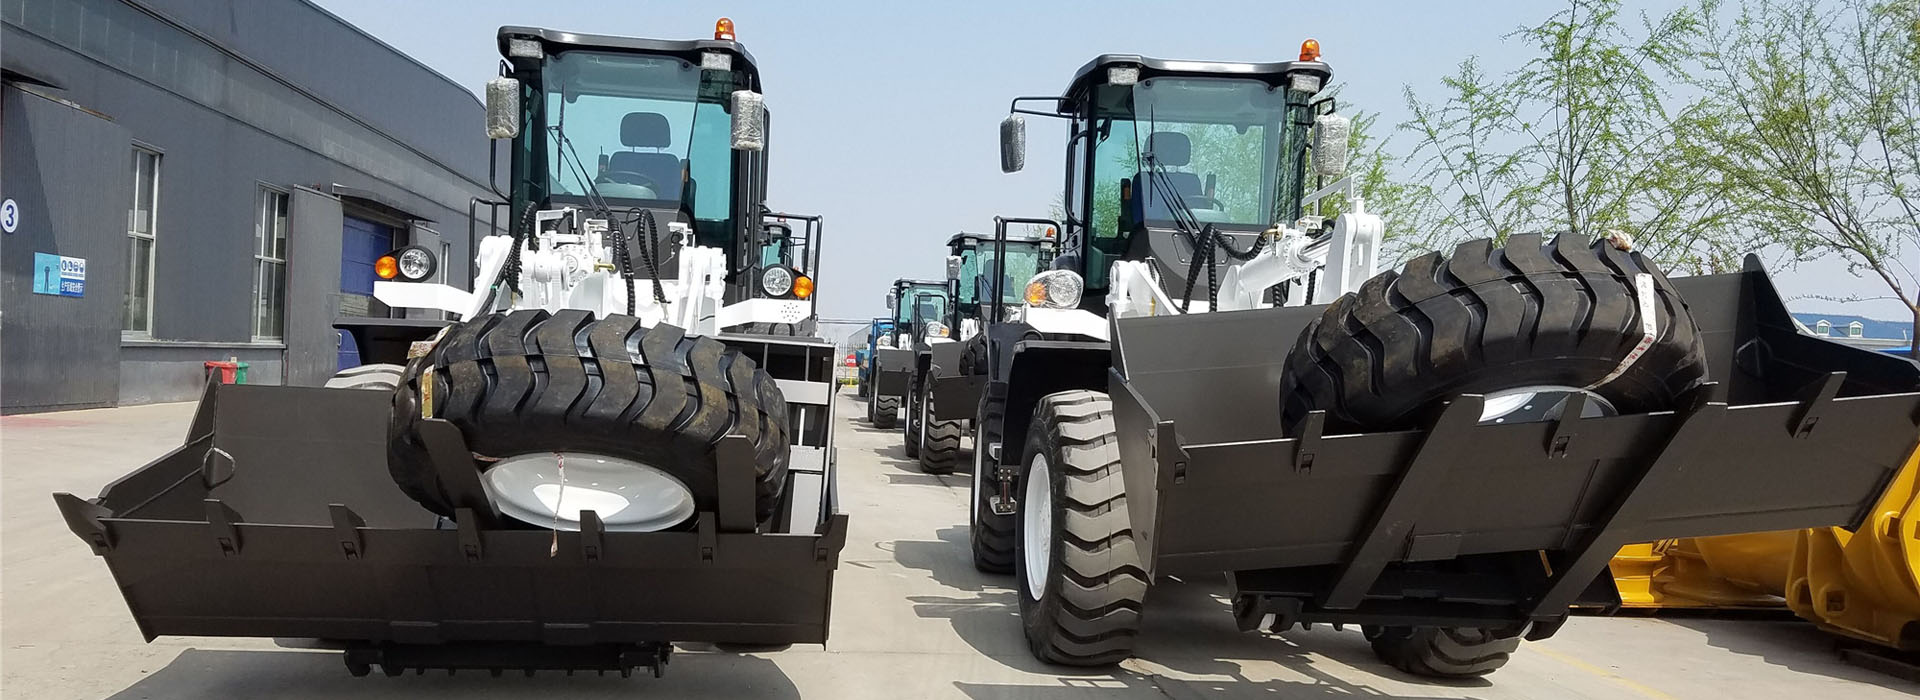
(912, 619)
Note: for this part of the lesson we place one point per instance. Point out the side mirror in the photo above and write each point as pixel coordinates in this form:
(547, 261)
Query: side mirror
(953, 267)
(503, 108)
(893, 301)
(1013, 143)
(749, 121)
(1330, 145)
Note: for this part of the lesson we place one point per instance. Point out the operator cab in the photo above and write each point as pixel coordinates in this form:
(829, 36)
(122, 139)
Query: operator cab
(919, 309)
(1164, 153)
(623, 127)
(977, 258)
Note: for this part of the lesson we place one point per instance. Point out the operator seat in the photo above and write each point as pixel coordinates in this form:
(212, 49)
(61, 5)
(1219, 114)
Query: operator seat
(643, 130)
(1172, 149)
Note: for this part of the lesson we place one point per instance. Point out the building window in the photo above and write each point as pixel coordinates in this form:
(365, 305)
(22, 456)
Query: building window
(141, 217)
(1855, 330)
(270, 266)
(1823, 328)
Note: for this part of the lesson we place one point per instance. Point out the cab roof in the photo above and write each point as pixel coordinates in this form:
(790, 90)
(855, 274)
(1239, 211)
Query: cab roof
(555, 41)
(1275, 73)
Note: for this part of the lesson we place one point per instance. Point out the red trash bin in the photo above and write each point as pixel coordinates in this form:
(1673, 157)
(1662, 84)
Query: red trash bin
(229, 371)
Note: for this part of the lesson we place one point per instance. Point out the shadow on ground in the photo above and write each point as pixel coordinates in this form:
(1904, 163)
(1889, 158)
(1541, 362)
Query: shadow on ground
(1189, 634)
(1796, 645)
(198, 674)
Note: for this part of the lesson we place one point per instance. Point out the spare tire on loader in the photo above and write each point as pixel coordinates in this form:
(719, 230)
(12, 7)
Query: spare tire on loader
(1526, 325)
(534, 393)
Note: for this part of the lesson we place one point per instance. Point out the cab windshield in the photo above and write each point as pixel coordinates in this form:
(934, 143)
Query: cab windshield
(976, 271)
(1221, 147)
(928, 301)
(639, 130)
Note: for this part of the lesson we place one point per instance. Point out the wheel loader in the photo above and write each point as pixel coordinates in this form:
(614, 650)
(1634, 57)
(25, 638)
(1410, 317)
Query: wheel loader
(1215, 380)
(893, 354)
(876, 330)
(943, 391)
(589, 465)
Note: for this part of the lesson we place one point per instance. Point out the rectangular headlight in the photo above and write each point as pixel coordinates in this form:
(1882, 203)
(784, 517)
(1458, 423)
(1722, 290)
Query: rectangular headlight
(715, 60)
(1123, 75)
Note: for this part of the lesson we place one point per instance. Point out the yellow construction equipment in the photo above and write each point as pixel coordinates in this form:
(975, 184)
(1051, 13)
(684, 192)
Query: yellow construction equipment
(1863, 584)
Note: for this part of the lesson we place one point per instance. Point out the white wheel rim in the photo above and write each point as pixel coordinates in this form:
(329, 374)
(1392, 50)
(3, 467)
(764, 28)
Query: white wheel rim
(1036, 526)
(922, 436)
(551, 489)
(979, 478)
(1500, 404)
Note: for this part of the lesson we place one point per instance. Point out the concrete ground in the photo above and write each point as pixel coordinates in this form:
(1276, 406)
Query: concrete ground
(912, 619)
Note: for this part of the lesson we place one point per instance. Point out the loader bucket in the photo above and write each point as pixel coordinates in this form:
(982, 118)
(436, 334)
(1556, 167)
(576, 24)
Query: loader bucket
(1463, 524)
(278, 518)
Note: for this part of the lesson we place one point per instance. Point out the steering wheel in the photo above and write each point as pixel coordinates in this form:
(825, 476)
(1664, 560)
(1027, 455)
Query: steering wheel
(629, 177)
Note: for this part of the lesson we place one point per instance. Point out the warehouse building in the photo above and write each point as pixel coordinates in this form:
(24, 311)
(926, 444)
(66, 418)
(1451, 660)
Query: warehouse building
(193, 181)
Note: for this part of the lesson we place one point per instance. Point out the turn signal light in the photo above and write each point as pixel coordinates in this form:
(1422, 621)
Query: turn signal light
(723, 29)
(1310, 50)
(386, 267)
(802, 287)
(1036, 293)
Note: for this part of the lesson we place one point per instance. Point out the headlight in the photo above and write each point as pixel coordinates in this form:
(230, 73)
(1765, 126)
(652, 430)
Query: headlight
(776, 281)
(885, 341)
(936, 329)
(1055, 289)
(415, 263)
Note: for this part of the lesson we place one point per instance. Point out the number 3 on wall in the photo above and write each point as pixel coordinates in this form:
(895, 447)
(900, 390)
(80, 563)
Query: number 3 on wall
(9, 216)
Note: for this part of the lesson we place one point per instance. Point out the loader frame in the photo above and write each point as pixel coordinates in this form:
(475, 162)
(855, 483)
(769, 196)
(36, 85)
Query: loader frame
(1460, 524)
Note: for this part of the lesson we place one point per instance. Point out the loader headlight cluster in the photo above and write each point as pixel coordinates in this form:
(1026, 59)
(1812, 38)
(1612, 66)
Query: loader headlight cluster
(410, 264)
(1055, 289)
(776, 281)
(885, 341)
(936, 329)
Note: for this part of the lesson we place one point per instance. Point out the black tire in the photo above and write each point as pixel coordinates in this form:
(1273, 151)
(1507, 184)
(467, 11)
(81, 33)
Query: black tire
(1443, 652)
(528, 381)
(991, 535)
(1088, 611)
(1489, 319)
(911, 437)
(883, 411)
(939, 439)
(376, 377)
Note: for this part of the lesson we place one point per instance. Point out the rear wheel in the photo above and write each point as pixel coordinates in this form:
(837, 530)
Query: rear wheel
(638, 409)
(1443, 652)
(1082, 584)
(378, 377)
(992, 534)
(1560, 317)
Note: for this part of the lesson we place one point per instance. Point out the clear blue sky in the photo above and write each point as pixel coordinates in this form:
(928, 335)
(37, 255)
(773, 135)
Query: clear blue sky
(886, 113)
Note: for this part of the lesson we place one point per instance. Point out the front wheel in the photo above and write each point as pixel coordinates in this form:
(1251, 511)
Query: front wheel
(939, 439)
(1082, 584)
(1443, 652)
(993, 535)
(883, 411)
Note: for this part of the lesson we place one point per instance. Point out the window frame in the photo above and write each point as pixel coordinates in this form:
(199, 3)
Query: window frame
(152, 238)
(265, 194)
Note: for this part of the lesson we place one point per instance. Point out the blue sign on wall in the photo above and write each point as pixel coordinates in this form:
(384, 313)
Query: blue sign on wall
(59, 275)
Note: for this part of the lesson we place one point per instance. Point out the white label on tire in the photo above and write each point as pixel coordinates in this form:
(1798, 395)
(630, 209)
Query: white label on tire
(1649, 329)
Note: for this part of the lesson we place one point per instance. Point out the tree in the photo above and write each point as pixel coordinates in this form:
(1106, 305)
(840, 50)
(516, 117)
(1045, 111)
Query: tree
(1578, 139)
(1815, 114)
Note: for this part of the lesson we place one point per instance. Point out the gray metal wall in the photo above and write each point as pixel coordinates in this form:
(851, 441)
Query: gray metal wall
(59, 163)
(236, 94)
